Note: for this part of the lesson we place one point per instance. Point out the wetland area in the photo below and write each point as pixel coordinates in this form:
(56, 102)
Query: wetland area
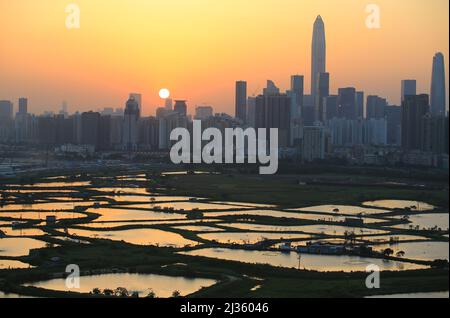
(197, 234)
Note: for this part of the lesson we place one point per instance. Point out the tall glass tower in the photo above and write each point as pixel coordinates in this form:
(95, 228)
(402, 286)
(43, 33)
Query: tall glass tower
(438, 86)
(318, 56)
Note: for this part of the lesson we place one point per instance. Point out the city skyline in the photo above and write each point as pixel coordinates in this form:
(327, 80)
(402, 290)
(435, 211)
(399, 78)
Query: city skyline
(350, 63)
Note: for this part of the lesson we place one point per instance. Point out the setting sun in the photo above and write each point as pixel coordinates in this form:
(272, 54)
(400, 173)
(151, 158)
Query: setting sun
(200, 48)
(164, 93)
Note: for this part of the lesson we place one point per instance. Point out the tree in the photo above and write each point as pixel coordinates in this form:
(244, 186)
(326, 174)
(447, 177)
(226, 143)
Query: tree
(176, 294)
(388, 252)
(151, 294)
(96, 291)
(121, 292)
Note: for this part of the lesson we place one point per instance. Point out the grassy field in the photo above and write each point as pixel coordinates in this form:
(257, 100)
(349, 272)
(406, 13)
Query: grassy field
(289, 191)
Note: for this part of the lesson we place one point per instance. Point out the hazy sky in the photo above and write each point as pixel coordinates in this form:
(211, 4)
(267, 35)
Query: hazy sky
(199, 48)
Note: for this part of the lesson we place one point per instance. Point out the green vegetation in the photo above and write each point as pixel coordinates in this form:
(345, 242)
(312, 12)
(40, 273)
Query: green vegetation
(291, 191)
(235, 279)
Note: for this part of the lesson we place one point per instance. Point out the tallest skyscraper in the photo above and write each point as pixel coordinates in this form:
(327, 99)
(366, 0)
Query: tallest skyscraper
(438, 86)
(318, 56)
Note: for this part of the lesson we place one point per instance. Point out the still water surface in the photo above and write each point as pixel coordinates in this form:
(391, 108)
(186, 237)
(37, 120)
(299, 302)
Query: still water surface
(163, 286)
(249, 238)
(138, 237)
(12, 264)
(428, 251)
(310, 262)
(15, 247)
(427, 221)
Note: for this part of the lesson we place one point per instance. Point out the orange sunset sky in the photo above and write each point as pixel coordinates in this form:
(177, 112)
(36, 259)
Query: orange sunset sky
(199, 48)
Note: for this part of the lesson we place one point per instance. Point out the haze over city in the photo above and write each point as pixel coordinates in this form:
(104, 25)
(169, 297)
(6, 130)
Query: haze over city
(198, 51)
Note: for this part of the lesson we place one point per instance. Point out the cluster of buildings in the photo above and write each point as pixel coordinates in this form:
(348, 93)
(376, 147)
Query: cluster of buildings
(107, 130)
(327, 248)
(348, 125)
(316, 126)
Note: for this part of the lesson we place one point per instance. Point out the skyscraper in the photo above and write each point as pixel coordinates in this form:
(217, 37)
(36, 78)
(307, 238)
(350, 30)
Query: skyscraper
(394, 124)
(46, 130)
(308, 110)
(435, 138)
(438, 86)
(203, 112)
(376, 107)
(251, 109)
(331, 107)
(414, 109)
(297, 88)
(241, 100)
(313, 145)
(22, 121)
(278, 115)
(149, 133)
(104, 132)
(323, 90)
(168, 104)
(318, 56)
(130, 125)
(6, 110)
(6, 120)
(360, 104)
(409, 87)
(271, 89)
(260, 111)
(274, 111)
(138, 98)
(168, 123)
(23, 106)
(295, 117)
(347, 107)
(90, 126)
(180, 107)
